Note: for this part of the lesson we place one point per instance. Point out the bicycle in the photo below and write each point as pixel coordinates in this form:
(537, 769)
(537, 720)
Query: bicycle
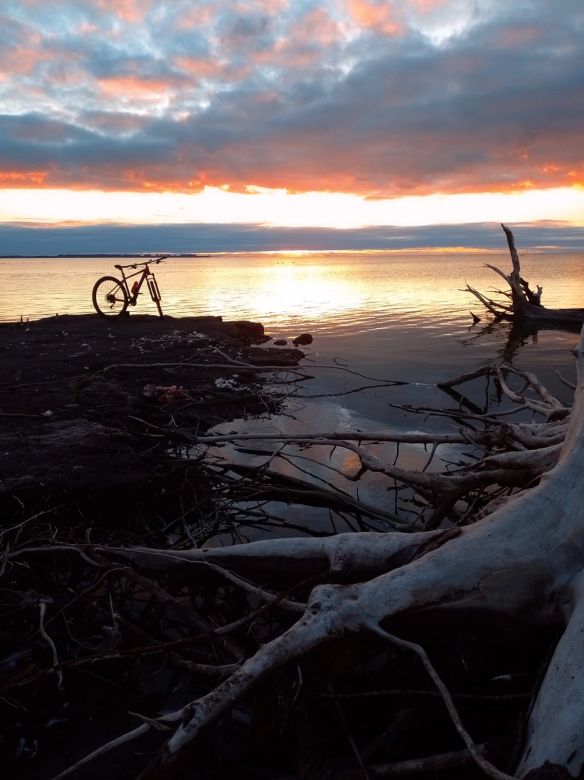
(111, 297)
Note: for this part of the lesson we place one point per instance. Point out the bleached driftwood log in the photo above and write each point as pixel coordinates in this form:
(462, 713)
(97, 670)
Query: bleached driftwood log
(524, 560)
(521, 303)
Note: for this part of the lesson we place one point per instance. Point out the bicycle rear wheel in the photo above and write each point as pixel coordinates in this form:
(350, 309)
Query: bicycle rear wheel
(109, 297)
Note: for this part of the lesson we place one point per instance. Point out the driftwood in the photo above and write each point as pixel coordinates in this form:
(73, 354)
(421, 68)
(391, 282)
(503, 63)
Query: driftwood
(485, 531)
(523, 560)
(521, 302)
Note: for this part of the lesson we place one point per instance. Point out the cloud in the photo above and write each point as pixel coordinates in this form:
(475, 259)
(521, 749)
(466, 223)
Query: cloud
(379, 98)
(375, 14)
(128, 10)
(123, 239)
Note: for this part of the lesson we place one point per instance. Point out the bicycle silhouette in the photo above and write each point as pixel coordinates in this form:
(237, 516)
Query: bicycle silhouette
(111, 297)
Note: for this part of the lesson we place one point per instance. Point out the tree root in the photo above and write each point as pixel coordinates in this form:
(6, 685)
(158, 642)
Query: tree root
(523, 560)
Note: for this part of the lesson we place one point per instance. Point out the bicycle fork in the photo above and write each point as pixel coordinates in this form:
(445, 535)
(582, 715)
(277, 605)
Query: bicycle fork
(154, 292)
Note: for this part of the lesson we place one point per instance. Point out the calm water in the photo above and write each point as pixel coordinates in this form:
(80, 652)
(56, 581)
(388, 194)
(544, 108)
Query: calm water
(389, 315)
(393, 316)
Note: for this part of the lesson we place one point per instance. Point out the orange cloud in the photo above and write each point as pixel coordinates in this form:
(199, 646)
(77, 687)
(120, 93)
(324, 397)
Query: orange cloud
(181, 156)
(128, 10)
(375, 14)
(136, 86)
(199, 66)
(20, 61)
(21, 51)
(181, 175)
(88, 29)
(23, 179)
(318, 27)
(198, 16)
(280, 109)
(304, 44)
(269, 7)
(427, 6)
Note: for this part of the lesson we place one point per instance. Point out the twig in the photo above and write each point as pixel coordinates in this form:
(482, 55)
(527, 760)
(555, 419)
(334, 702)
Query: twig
(539, 388)
(401, 692)
(462, 378)
(211, 366)
(343, 393)
(567, 382)
(345, 726)
(474, 750)
(18, 414)
(429, 764)
(357, 373)
(330, 437)
(109, 746)
(47, 638)
(28, 520)
(536, 406)
(293, 606)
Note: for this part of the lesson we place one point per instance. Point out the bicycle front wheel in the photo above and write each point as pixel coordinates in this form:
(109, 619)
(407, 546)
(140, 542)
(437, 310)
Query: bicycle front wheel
(109, 297)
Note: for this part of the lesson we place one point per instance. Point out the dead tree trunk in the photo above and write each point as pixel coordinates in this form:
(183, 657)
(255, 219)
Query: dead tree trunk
(523, 303)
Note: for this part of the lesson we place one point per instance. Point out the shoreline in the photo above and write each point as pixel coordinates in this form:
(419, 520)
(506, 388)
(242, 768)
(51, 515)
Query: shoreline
(76, 413)
(96, 419)
(106, 255)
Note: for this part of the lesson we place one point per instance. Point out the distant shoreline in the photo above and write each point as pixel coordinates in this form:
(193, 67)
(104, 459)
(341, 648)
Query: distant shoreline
(103, 254)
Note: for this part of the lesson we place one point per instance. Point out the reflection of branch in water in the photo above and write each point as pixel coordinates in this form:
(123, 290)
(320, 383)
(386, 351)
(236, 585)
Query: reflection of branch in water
(292, 457)
(336, 367)
(268, 521)
(495, 326)
(302, 492)
(517, 338)
(379, 382)
(462, 399)
(457, 414)
(261, 520)
(522, 330)
(517, 333)
(349, 392)
(259, 511)
(346, 370)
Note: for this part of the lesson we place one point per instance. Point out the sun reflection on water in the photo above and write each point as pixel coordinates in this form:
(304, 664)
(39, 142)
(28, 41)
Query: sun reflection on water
(361, 291)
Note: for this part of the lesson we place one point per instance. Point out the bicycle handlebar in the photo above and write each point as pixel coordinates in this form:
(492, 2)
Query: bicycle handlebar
(146, 262)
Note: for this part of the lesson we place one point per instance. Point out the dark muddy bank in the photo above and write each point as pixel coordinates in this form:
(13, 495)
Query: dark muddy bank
(79, 397)
(90, 411)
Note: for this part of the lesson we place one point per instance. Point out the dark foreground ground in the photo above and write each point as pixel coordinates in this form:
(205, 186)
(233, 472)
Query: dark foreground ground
(93, 413)
(94, 419)
(78, 396)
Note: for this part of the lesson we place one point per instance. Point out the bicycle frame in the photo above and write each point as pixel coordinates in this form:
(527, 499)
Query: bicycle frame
(111, 295)
(145, 274)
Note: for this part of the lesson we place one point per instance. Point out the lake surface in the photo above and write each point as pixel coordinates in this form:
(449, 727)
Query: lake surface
(391, 316)
(401, 316)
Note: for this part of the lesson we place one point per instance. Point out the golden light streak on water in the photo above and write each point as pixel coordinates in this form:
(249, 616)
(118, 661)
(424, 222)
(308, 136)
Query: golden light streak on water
(355, 291)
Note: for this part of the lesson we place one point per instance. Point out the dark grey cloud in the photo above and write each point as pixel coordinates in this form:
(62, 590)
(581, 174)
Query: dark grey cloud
(124, 239)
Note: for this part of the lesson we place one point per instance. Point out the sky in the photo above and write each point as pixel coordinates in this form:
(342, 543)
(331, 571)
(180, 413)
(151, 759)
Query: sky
(195, 126)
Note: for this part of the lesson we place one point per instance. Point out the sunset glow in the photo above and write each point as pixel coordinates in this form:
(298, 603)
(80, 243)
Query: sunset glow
(292, 113)
(280, 208)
